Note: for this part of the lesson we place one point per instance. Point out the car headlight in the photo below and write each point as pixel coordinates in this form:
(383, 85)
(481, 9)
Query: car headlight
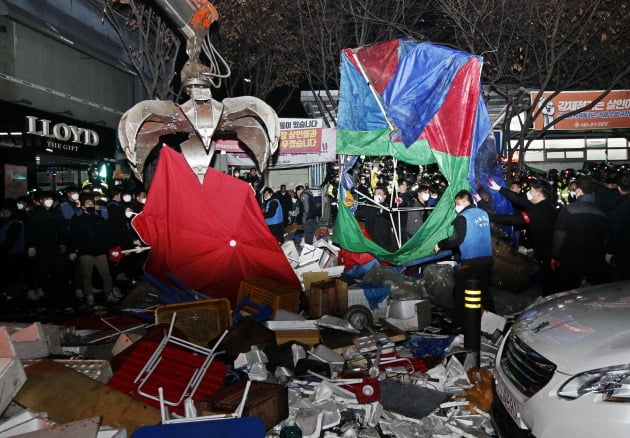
(612, 382)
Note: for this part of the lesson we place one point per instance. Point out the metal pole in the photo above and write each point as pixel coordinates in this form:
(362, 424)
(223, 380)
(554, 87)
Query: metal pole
(472, 317)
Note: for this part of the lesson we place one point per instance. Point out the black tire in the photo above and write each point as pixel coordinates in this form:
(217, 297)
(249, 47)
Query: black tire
(358, 316)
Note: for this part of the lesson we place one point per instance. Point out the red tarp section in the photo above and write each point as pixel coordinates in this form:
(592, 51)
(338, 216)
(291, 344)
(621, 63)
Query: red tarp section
(211, 236)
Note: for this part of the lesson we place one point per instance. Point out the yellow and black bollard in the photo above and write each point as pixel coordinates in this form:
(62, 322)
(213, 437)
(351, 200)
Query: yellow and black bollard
(472, 317)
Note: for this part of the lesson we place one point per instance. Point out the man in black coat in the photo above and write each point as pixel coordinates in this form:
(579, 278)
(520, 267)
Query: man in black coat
(46, 232)
(538, 213)
(618, 250)
(89, 241)
(580, 239)
(286, 202)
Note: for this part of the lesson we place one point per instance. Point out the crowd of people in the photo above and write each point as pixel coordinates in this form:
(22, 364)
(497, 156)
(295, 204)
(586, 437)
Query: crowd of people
(575, 225)
(281, 208)
(51, 244)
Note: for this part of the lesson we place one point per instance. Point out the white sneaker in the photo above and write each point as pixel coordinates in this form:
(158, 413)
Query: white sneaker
(117, 293)
(111, 298)
(32, 295)
(89, 300)
(79, 293)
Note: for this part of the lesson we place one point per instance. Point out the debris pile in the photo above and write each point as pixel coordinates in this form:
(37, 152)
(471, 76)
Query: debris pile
(369, 356)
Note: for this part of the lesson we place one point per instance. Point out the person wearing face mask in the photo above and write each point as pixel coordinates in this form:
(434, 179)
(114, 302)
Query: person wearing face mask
(471, 237)
(434, 196)
(415, 218)
(124, 237)
(580, 239)
(377, 220)
(70, 204)
(114, 205)
(89, 241)
(538, 215)
(24, 206)
(138, 201)
(46, 233)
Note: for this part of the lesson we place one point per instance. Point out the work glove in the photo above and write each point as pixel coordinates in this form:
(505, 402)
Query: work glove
(609, 258)
(555, 264)
(31, 252)
(72, 256)
(492, 185)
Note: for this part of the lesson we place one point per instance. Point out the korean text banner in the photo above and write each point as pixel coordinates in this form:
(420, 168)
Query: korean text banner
(613, 111)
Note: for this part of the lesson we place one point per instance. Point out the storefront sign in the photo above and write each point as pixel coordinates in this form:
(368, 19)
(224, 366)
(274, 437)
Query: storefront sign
(62, 131)
(328, 153)
(46, 133)
(297, 136)
(613, 111)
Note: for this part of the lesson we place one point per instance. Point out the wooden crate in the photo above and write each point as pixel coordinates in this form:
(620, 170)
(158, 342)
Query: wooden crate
(308, 337)
(268, 401)
(265, 291)
(328, 297)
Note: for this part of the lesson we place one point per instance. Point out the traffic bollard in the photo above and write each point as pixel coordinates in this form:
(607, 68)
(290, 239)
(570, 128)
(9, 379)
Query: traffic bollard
(472, 317)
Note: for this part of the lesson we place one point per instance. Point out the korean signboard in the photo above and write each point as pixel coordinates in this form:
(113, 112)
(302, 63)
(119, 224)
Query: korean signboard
(613, 111)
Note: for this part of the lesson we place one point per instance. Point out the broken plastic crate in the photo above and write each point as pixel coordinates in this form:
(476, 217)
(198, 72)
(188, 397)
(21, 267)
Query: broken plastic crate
(173, 372)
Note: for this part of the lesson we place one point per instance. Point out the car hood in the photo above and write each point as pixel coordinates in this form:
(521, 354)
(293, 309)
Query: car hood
(580, 330)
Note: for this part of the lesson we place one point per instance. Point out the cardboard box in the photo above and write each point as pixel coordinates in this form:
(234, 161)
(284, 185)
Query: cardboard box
(322, 298)
(312, 277)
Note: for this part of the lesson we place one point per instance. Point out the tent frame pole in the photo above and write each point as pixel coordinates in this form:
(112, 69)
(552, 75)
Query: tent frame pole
(379, 101)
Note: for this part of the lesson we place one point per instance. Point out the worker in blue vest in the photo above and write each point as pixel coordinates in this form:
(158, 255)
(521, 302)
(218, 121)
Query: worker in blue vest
(272, 210)
(471, 236)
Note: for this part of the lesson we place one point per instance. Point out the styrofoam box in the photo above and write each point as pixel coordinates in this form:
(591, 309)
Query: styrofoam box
(12, 377)
(356, 296)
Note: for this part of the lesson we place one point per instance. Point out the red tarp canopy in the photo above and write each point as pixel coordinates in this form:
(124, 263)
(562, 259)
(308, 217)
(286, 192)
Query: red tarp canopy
(211, 236)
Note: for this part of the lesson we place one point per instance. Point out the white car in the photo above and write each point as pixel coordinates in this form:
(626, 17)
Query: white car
(563, 370)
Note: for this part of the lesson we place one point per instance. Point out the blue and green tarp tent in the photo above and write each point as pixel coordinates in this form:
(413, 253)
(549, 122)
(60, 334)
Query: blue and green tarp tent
(420, 103)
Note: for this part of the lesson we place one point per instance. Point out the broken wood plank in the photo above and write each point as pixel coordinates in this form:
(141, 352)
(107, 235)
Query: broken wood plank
(68, 396)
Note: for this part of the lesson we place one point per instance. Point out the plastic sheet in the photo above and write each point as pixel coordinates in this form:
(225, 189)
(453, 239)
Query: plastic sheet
(421, 346)
(439, 281)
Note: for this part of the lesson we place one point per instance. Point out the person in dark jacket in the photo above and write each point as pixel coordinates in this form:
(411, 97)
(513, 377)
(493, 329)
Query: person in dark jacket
(89, 241)
(618, 249)
(415, 218)
(308, 213)
(46, 232)
(377, 219)
(286, 202)
(12, 250)
(607, 194)
(538, 214)
(272, 211)
(70, 204)
(580, 239)
(471, 236)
